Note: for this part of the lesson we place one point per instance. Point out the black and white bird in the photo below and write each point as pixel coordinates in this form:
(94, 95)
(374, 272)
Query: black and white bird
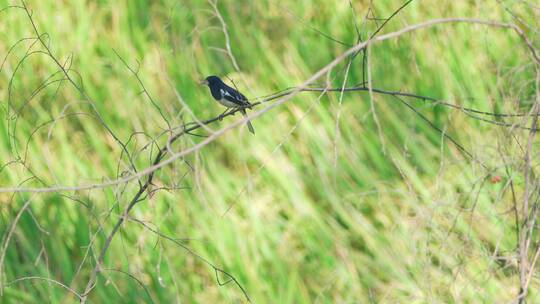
(228, 97)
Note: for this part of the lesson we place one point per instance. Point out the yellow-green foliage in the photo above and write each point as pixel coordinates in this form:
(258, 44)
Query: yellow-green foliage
(298, 213)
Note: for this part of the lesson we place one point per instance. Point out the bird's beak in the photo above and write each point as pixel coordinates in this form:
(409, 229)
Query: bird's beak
(204, 82)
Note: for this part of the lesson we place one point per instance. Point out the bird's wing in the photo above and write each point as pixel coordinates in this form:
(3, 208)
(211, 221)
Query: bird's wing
(233, 95)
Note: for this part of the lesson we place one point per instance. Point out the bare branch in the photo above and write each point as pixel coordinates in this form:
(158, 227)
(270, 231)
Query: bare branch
(253, 115)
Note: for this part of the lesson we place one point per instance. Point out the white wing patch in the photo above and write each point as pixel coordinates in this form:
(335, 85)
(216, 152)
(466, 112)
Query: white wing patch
(225, 93)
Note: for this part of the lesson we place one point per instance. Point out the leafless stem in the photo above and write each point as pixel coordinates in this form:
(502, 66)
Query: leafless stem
(286, 97)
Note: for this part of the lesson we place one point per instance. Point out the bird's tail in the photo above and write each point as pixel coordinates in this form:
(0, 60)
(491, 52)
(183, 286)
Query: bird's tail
(249, 125)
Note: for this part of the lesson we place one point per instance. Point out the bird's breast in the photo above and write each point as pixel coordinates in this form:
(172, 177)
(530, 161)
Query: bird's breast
(227, 103)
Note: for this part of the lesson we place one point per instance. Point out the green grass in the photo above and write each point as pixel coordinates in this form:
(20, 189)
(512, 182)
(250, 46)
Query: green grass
(399, 216)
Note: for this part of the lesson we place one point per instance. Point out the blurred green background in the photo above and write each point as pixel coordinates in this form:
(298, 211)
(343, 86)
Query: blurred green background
(301, 212)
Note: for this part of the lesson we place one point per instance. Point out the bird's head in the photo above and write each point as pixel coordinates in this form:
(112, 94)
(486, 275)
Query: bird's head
(211, 80)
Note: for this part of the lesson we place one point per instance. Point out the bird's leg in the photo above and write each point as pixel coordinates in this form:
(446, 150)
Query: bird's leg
(236, 110)
(220, 117)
